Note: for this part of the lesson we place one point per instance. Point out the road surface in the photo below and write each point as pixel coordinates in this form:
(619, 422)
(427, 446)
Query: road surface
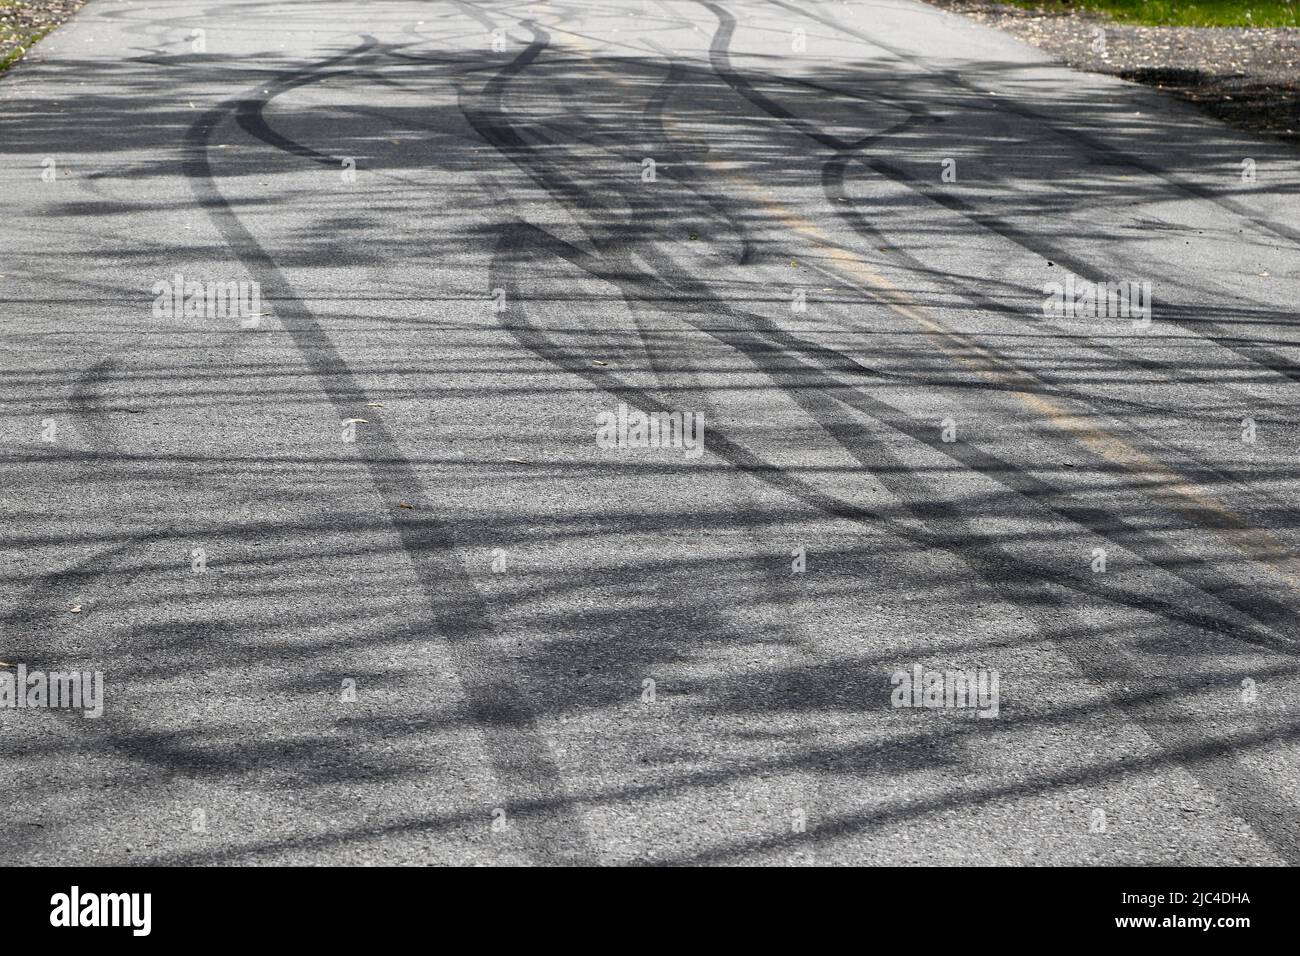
(364, 580)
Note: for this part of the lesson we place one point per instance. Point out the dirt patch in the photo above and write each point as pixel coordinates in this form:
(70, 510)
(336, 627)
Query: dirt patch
(1249, 78)
(23, 22)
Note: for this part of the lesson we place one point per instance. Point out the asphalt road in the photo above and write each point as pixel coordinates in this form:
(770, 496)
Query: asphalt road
(459, 630)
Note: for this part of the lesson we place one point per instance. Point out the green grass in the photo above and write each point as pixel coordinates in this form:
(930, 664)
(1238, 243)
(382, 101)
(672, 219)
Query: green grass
(1179, 13)
(17, 54)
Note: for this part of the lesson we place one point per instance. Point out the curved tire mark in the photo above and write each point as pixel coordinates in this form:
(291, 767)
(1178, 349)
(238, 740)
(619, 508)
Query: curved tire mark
(520, 757)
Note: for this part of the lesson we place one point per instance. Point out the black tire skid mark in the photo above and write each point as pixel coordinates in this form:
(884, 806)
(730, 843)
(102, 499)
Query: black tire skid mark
(612, 237)
(833, 175)
(85, 404)
(683, 174)
(671, 161)
(617, 250)
(43, 601)
(822, 756)
(519, 755)
(1236, 595)
(1229, 781)
(501, 133)
(251, 116)
(652, 116)
(613, 231)
(613, 240)
(720, 59)
(115, 731)
(1198, 758)
(1204, 328)
(833, 172)
(97, 466)
(805, 376)
(1260, 356)
(998, 570)
(1091, 144)
(506, 138)
(1096, 520)
(617, 245)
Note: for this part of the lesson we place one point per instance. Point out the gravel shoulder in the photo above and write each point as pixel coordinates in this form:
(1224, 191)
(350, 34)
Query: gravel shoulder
(1248, 78)
(24, 22)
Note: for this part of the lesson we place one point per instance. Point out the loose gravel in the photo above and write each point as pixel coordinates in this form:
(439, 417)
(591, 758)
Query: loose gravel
(1249, 78)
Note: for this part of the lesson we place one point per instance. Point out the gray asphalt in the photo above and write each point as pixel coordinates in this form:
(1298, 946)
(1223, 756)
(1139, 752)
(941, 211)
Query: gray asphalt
(447, 210)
